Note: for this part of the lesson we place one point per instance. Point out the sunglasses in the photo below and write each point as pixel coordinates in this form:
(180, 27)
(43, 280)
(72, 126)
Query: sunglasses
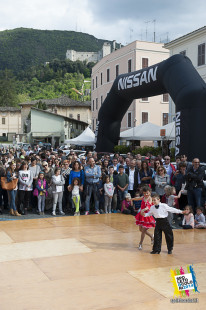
(45, 165)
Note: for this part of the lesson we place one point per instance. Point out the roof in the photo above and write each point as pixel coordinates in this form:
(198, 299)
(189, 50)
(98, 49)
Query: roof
(61, 101)
(10, 109)
(193, 33)
(69, 119)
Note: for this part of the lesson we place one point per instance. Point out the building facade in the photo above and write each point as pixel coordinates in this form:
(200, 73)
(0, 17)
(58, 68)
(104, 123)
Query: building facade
(89, 56)
(52, 128)
(10, 122)
(135, 56)
(79, 110)
(191, 45)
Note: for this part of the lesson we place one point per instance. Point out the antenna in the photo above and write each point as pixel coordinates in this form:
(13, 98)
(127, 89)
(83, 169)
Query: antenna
(146, 28)
(130, 36)
(154, 22)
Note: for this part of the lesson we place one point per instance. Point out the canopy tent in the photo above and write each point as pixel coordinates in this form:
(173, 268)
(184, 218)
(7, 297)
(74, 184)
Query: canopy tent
(144, 132)
(87, 137)
(149, 132)
(170, 131)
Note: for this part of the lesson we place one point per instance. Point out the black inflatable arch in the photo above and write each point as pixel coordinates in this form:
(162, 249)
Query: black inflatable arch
(175, 76)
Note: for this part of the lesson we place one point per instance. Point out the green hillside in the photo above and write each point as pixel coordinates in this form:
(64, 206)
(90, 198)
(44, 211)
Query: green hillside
(22, 48)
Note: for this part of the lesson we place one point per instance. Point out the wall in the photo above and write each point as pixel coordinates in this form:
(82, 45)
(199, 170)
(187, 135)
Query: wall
(12, 122)
(188, 43)
(134, 51)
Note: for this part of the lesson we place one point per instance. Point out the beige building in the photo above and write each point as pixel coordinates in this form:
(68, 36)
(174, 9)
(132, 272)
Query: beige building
(53, 128)
(89, 56)
(79, 110)
(133, 57)
(191, 45)
(10, 123)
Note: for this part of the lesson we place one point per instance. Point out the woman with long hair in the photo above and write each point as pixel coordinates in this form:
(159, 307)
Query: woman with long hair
(11, 175)
(161, 180)
(25, 187)
(145, 173)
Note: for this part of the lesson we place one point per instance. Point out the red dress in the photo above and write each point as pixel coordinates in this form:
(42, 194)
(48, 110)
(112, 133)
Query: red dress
(146, 222)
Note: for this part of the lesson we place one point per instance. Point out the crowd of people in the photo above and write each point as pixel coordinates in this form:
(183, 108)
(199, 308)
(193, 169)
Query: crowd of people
(51, 182)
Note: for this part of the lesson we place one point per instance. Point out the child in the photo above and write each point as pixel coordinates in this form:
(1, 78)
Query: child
(160, 212)
(188, 220)
(145, 223)
(41, 192)
(127, 205)
(170, 197)
(75, 195)
(199, 218)
(108, 194)
(136, 200)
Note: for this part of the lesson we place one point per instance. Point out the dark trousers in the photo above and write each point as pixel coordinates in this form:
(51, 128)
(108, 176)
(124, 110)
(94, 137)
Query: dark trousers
(24, 197)
(162, 225)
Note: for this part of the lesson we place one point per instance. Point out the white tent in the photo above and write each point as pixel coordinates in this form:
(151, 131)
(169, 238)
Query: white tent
(170, 131)
(144, 132)
(87, 137)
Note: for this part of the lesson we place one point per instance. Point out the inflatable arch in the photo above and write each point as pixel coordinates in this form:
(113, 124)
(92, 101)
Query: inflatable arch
(175, 76)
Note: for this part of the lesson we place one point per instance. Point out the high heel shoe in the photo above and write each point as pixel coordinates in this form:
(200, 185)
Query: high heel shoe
(155, 252)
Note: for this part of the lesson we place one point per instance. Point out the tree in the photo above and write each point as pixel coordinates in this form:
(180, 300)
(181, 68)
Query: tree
(41, 105)
(8, 94)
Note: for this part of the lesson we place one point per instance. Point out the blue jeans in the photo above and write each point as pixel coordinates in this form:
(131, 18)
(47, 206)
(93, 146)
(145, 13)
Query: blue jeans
(195, 197)
(92, 188)
(41, 203)
(12, 197)
(122, 195)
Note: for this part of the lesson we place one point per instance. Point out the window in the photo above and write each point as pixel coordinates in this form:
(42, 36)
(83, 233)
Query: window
(145, 99)
(93, 124)
(92, 84)
(4, 134)
(96, 82)
(96, 103)
(3, 121)
(164, 119)
(101, 100)
(93, 105)
(108, 75)
(165, 98)
(183, 53)
(76, 125)
(117, 70)
(129, 119)
(145, 63)
(201, 54)
(101, 78)
(130, 65)
(78, 117)
(71, 115)
(144, 117)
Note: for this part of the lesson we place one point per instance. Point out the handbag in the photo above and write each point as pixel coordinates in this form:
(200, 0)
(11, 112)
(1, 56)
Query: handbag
(8, 185)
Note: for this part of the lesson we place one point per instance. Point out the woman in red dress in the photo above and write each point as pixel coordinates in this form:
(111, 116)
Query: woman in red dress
(145, 223)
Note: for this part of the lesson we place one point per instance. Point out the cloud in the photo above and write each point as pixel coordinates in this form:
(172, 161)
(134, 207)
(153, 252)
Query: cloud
(123, 20)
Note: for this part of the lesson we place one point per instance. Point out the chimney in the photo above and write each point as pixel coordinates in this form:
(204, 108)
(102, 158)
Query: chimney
(113, 45)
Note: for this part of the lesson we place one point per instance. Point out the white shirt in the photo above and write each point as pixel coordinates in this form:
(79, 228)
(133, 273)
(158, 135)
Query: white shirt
(162, 211)
(75, 191)
(131, 179)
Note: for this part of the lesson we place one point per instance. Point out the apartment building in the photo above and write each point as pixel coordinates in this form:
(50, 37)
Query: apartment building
(191, 45)
(135, 56)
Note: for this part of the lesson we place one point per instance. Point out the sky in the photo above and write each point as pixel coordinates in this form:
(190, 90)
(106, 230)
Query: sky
(120, 20)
